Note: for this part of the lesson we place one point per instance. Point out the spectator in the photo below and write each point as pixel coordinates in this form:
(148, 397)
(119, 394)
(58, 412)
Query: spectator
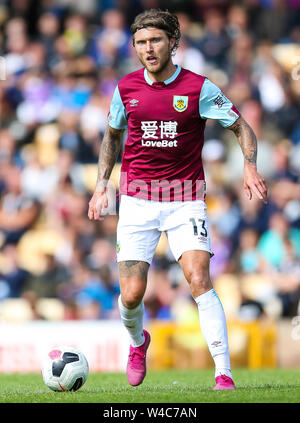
(110, 43)
(17, 211)
(215, 42)
(287, 280)
(222, 251)
(273, 242)
(250, 258)
(98, 288)
(47, 283)
(13, 278)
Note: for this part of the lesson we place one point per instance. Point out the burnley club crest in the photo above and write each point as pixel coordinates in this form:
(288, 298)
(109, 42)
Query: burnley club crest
(180, 102)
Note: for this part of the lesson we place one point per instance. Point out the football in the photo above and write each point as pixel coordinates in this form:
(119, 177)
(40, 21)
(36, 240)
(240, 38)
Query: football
(65, 369)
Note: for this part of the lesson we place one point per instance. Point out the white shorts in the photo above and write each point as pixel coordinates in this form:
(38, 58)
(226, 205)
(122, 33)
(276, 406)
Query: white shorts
(141, 223)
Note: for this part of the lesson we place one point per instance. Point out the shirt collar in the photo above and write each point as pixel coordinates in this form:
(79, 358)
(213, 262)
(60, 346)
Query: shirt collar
(167, 81)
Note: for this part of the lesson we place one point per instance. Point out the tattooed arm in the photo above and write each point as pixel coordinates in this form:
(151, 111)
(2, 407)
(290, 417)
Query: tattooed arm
(109, 151)
(253, 182)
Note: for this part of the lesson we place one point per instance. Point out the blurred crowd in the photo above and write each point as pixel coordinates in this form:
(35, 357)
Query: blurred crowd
(60, 62)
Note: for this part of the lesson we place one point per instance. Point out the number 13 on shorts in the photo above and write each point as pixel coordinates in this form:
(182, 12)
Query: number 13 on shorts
(199, 227)
(192, 235)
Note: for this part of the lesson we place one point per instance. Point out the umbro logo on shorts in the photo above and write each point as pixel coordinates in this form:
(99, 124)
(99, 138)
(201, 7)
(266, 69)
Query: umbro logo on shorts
(216, 344)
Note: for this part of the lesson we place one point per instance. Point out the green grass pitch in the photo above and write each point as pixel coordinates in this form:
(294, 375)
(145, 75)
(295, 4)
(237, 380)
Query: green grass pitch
(168, 386)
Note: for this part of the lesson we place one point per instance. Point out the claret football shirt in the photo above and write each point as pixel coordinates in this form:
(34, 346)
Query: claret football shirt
(165, 121)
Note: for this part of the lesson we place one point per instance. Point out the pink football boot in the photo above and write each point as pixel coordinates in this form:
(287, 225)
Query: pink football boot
(136, 366)
(224, 382)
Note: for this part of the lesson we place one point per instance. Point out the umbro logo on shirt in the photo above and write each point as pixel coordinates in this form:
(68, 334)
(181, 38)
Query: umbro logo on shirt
(134, 102)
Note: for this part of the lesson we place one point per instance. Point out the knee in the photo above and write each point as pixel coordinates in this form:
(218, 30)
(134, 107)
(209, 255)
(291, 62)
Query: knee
(131, 300)
(199, 281)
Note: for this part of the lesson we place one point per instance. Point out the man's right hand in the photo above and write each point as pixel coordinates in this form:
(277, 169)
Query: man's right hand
(98, 204)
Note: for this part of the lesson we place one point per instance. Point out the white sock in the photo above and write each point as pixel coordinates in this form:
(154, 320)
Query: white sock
(133, 321)
(214, 329)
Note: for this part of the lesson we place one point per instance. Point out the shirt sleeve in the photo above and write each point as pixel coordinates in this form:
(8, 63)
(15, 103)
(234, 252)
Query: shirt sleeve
(117, 118)
(213, 104)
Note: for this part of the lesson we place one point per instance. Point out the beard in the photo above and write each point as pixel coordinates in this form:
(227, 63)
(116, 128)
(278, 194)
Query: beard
(163, 62)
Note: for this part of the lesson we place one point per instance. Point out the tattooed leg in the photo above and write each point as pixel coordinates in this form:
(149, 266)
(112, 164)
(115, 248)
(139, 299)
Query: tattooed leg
(133, 282)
